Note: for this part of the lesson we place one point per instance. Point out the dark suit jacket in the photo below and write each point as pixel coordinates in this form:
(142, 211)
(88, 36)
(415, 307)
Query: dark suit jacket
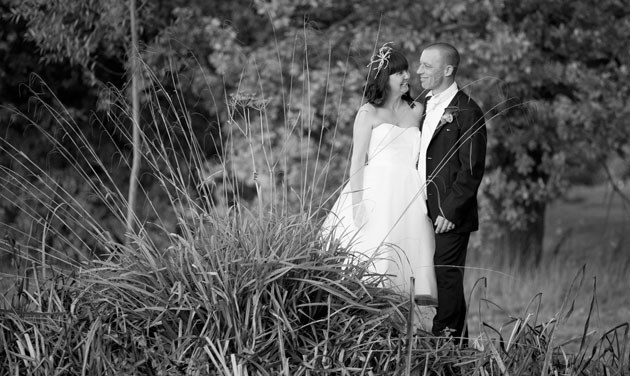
(455, 164)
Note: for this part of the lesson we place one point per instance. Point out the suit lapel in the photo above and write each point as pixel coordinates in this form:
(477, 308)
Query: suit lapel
(454, 103)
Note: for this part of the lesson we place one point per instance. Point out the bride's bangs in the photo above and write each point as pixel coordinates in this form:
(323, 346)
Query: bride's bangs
(397, 63)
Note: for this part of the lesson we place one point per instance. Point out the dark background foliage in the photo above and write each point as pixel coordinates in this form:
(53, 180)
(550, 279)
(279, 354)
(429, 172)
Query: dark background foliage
(551, 75)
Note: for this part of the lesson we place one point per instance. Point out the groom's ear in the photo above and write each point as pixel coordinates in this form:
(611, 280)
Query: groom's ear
(449, 71)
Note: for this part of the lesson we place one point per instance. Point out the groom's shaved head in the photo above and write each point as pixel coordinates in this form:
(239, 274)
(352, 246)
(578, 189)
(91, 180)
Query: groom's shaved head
(448, 53)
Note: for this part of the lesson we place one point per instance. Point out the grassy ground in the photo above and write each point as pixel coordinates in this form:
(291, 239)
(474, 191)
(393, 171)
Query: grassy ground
(590, 229)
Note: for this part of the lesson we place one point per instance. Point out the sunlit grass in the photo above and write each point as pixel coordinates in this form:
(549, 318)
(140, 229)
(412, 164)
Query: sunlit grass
(585, 236)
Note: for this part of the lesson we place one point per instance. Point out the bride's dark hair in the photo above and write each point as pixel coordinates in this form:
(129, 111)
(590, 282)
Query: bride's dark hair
(377, 85)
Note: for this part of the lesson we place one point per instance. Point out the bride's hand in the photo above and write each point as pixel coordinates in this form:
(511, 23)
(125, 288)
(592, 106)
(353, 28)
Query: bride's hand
(359, 215)
(443, 225)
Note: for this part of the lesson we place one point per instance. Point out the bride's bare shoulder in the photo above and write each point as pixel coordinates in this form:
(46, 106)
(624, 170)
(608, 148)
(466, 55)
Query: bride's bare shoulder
(368, 108)
(367, 114)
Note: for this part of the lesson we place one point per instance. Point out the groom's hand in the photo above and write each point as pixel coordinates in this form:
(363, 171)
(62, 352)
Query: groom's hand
(443, 225)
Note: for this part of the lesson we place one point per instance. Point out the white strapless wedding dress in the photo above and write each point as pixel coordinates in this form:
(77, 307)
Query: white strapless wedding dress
(397, 236)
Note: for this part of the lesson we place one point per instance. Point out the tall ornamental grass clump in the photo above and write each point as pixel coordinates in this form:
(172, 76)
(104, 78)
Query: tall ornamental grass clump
(241, 297)
(204, 289)
(217, 285)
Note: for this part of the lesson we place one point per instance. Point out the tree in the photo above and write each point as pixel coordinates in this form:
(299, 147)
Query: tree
(562, 81)
(93, 41)
(550, 75)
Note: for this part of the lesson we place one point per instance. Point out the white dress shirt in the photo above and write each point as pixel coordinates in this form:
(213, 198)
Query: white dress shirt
(434, 111)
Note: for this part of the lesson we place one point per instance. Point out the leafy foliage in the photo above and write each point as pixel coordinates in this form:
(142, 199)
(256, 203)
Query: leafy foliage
(551, 81)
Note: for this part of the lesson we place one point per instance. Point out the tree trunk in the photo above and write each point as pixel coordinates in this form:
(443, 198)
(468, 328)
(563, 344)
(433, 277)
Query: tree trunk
(135, 108)
(519, 249)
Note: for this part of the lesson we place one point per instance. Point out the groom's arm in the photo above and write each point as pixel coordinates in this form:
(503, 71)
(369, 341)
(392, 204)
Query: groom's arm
(471, 153)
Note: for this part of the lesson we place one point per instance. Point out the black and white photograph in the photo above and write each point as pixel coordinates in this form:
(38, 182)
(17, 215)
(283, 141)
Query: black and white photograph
(314, 187)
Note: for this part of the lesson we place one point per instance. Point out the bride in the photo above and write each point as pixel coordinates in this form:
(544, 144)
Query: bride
(381, 213)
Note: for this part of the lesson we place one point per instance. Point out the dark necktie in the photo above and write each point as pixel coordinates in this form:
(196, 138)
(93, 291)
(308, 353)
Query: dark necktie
(424, 110)
(426, 100)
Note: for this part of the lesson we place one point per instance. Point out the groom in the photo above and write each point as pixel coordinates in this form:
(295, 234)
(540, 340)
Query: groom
(451, 164)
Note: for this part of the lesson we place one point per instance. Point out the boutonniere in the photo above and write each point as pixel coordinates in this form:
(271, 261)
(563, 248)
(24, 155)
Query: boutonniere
(449, 115)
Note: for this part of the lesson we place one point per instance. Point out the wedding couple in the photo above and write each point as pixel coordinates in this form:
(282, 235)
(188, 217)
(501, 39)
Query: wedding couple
(411, 202)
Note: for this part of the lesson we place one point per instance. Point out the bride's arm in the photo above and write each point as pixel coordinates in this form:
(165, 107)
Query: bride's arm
(361, 133)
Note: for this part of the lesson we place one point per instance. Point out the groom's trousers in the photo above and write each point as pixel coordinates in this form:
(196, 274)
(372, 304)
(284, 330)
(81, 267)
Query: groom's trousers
(449, 260)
